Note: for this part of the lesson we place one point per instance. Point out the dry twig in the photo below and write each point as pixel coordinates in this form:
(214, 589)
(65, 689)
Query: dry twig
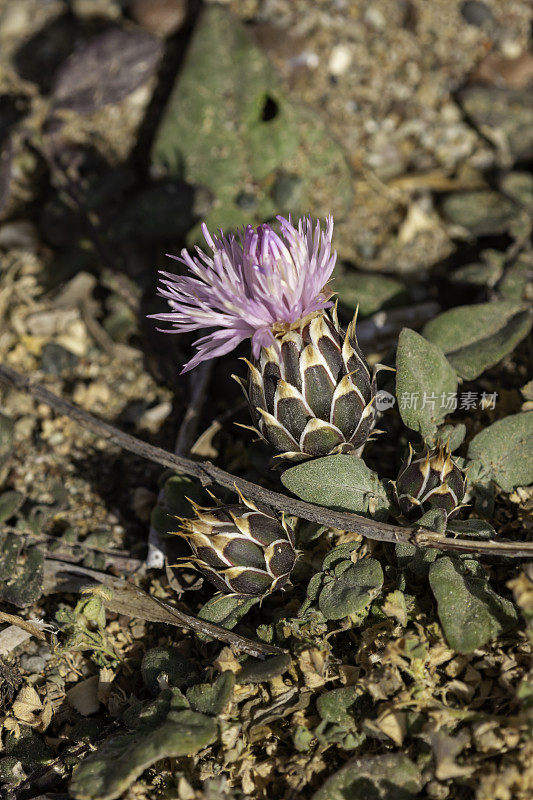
(209, 473)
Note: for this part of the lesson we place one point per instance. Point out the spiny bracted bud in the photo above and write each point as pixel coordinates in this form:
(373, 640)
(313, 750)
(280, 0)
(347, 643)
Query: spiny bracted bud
(311, 393)
(242, 549)
(430, 480)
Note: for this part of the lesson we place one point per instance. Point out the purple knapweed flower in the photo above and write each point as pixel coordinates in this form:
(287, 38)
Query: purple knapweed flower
(253, 285)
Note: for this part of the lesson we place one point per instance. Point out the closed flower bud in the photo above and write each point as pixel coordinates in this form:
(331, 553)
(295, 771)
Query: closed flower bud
(311, 392)
(430, 480)
(240, 548)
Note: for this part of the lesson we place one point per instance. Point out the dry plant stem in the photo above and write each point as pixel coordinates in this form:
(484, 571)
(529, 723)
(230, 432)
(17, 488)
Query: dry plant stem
(209, 473)
(132, 601)
(189, 425)
(382, 328)
(24, 624)
(199, 382)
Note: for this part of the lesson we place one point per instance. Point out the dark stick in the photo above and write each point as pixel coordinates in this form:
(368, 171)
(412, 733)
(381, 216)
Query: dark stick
(209, 473)
(132, 601)
(184, 441)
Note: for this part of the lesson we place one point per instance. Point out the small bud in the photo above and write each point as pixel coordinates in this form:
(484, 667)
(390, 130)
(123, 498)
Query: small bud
(240, 548)
(430, 480)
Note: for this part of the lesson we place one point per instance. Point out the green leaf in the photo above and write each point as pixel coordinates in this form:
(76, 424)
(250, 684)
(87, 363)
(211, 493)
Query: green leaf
(422, 368)
(519, 187)
(516, 283)
(477, 337)
(228, 126)
(6, 444)
(332, 706)
(481, 211)
(260, 671)
(367, 290)
(487, 273)
(505, 449)
(453, 434)
(433, 520)
(415, 559)
(472, 528)
(10, 502)
(338, 558)
(470, 612)
(108, 772)
(502, 112)
(388, 777)
(351, 591)
(341, 482)
(178, 490)
(212, 698)
(168, 661)
(226, 610)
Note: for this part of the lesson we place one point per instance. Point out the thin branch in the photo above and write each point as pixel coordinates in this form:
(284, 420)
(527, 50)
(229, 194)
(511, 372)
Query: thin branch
(132, 601)
(191, 418)
(184, 442)
(382, 328)
(209, 473)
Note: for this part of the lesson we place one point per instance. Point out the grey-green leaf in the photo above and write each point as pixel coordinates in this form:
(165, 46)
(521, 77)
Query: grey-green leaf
(415, 559)
(333, 705)
(470, 611)
(369, 292)
(481, 211)
(6, 444)
(476, 337)
(10, 502)
(351, 591)
(424, 378)
(226, 610)
(505, 448)
(228, 126)
(388, 777)
(472, 528)
(342, 482)
(108, 772)
(212, 698)
(258, 671)
(433, 520)
(169, 662)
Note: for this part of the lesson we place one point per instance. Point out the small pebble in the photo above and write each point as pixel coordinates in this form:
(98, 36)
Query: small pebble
(287, 191)
(162, 17)
(84, 696)
(32, 664)
(476, 12)
(375, 18)
(339, 60)
(56, 359)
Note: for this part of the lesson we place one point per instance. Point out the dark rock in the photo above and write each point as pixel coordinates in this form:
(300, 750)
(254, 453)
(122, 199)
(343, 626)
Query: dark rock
(56, 359)
(499, 110)
(106, 70)
(476, 13)
(166, 210)
(287, 191)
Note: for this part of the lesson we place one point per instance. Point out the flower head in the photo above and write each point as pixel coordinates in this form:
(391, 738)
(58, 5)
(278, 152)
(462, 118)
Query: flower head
(253, 284)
